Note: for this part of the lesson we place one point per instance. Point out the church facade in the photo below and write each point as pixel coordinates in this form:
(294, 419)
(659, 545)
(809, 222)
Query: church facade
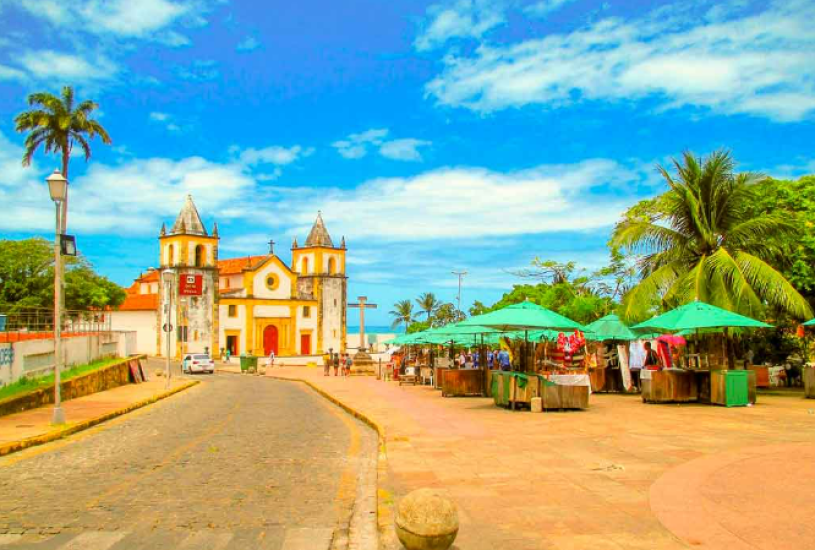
(254, 304)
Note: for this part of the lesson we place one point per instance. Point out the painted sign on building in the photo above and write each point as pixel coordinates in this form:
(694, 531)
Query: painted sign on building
(190, 285)
(6, 355)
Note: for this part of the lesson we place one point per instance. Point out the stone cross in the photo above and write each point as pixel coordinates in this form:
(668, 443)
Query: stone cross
(362, 305)
(271, 247)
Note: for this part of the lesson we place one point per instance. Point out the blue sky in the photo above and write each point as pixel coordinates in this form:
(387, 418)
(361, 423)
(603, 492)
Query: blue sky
(435, 136)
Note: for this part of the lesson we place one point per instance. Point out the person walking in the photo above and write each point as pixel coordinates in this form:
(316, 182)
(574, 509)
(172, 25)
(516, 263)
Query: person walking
(227, 355)
(336, 361)
(271, 359)
(326, 363)
(348, 363)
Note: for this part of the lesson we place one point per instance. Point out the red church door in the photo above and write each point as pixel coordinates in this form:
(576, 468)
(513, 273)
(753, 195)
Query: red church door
(270, 340)
(305, 344)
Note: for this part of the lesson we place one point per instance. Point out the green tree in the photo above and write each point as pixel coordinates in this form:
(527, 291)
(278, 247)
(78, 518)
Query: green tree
(797, 197)
(478, 308)
(428, 303)
(402, 313)
(703, 239)
(444, 314)
(57, 124)
(27, 279)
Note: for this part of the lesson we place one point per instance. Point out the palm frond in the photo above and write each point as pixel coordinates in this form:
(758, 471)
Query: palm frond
(649, 290)
(771, 285)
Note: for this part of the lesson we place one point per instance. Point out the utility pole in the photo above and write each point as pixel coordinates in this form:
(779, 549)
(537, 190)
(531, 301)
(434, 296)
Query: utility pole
(460, 274)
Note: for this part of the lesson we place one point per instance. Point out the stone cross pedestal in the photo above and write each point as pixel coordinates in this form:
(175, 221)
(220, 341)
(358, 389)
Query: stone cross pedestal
(363, 363)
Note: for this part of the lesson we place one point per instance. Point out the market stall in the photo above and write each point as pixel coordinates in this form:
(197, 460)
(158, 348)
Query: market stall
(609, 370)
(520, 386)
(696, 380)
(808, 372)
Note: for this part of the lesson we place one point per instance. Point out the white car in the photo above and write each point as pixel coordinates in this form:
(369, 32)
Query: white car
(197, 362)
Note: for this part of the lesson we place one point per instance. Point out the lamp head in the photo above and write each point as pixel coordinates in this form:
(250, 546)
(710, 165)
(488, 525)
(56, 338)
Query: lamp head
(168, 275)
(57, 186)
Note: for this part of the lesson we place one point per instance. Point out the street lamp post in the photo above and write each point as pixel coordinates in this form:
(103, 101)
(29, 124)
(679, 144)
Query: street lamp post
(58, 189)
(460, 275)
(169, 278)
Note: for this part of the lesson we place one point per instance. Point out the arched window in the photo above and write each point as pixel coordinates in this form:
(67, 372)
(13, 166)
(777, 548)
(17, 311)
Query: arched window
(305, 266)
(332, 266)
(199, 256)
(171, 255)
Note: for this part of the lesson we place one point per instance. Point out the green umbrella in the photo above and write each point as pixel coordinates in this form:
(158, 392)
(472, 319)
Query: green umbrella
(699, 315)
(523, 316)
(810, 323)
(609, 328)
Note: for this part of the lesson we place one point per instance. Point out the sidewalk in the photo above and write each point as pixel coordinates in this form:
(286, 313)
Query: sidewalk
(33, 427)
(586, 480)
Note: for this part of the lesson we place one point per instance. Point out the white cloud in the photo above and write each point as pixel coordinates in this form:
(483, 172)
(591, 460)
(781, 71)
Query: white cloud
(455, 203)
(166, 120)
(125, 18)
(48, 64)
(248, 44)
(403, 149)
(280, 156)
(356, 146)
(199, 70)
(545, 7)
(9, 73)
(460, 19)
(758, 65)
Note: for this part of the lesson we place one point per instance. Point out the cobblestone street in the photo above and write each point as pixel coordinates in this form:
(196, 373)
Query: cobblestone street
(236, 462)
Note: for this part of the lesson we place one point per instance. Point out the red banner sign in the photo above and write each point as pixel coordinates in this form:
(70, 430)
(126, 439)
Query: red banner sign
(190, 285)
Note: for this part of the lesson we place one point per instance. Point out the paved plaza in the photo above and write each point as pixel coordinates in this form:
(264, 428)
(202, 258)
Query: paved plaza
(233, 463)
(621, 475)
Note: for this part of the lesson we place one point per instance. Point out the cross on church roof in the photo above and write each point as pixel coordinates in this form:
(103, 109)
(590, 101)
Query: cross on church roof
(271, 246)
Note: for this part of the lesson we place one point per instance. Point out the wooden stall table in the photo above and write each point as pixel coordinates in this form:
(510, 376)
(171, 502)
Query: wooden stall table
(808, 375)
(565, 391)
(438, 376)
(668, 386)
(598, 379)
(409, 377)
(462, 382)
(523, 387)
(500, 387)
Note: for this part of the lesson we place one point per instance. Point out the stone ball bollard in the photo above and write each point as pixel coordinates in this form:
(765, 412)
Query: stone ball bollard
(426, 520)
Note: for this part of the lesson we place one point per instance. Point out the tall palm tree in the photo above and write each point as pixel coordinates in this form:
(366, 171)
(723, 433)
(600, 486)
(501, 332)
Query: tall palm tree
(703, 240)
(428, 303)
(57, 124)
(402, 313)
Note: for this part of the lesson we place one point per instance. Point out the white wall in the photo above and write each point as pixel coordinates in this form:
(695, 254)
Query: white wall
(36, 357)
(143, 323)
(259, 288)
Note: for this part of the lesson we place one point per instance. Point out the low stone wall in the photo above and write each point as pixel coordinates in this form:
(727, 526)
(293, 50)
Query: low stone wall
(107, 378)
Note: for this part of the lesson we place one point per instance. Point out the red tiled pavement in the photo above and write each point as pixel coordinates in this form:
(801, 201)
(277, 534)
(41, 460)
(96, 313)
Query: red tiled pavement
(586, 480)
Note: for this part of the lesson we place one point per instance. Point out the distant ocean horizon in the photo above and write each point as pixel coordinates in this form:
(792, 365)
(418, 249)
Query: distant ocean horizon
(377, 329)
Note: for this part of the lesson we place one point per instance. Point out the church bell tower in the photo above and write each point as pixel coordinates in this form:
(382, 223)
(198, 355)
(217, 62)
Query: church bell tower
(321, 273)
(190, 253)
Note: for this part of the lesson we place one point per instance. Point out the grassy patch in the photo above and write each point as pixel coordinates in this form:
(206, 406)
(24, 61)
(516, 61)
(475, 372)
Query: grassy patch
(26, 384)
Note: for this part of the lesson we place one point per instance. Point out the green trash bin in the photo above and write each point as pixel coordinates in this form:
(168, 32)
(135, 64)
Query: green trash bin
(249, 363)
(737, 388)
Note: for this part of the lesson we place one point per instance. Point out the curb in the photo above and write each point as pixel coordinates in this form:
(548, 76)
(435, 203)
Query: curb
(384, 498)
(15, 446)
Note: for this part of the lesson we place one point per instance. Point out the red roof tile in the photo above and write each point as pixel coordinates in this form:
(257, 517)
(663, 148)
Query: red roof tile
(139, 302)
(234, 266)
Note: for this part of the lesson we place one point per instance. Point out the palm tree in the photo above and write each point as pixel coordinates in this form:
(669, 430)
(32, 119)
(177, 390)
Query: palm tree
(57, 124)
(702, 239)
(428, 303)
(402, 313)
